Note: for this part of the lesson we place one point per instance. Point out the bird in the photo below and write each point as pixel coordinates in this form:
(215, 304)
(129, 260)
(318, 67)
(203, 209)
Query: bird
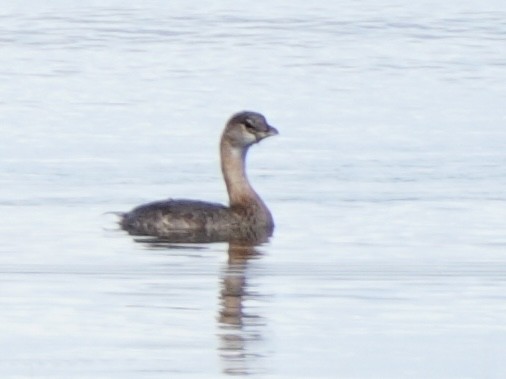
(246, 218)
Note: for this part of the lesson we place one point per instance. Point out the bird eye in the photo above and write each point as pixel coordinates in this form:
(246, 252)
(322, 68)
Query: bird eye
(249, 124)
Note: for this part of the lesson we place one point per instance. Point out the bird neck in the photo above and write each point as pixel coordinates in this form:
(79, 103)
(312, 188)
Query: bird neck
(233, 167)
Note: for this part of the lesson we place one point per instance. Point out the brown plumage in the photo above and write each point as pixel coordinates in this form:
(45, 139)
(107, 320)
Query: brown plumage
(246, 217)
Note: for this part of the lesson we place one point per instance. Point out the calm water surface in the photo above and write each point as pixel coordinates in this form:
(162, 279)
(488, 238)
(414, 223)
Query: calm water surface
(387, 184)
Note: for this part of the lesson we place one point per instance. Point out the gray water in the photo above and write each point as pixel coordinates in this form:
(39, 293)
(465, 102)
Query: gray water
(387, 184)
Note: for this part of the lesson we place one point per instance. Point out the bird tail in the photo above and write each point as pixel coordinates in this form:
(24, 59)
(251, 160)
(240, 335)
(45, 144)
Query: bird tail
(120, 215)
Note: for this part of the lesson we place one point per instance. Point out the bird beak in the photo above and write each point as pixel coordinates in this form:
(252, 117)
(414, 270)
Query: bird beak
(272, 131)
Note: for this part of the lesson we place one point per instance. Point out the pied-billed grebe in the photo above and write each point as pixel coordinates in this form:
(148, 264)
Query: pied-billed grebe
(198, 221)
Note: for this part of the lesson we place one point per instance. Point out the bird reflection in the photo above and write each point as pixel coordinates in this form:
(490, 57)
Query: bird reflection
(238, 329)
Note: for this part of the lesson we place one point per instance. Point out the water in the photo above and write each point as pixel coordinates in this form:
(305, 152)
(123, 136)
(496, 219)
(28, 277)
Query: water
(386, 182)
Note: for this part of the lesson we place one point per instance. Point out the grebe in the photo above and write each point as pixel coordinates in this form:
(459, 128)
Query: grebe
(246, 217)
